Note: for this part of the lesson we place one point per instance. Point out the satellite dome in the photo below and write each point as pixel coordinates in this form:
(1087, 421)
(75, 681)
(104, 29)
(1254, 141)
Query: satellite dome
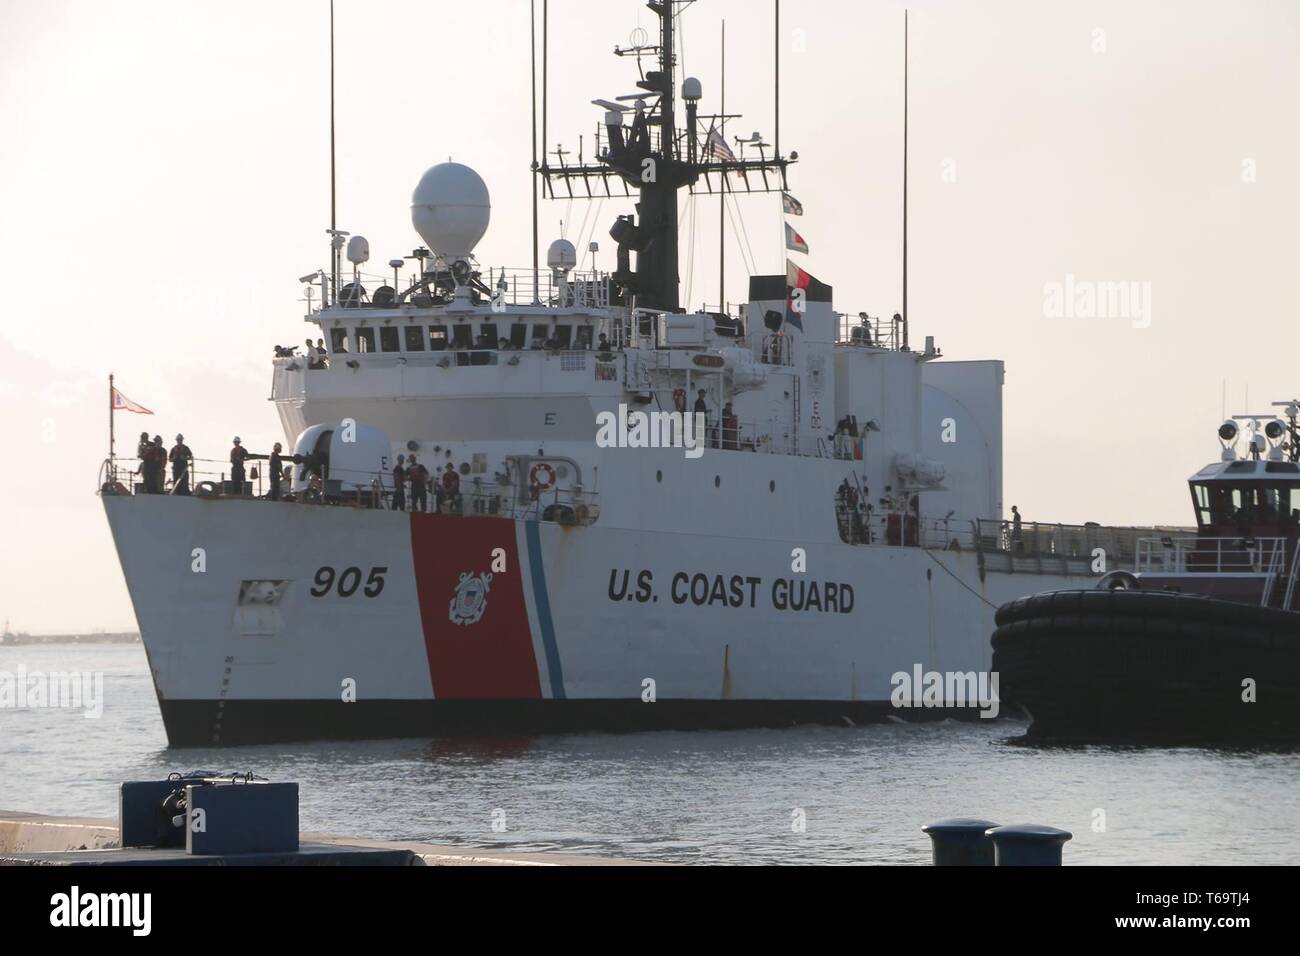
(561, 256)
(450, 210)
(358, 250)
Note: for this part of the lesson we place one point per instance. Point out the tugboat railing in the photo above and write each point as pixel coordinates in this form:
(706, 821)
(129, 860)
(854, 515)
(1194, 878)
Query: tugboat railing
(1274, 571)
(1289, 596)
(1202, 555)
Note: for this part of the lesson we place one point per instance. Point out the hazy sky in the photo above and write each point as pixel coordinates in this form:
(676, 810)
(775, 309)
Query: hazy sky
(164, 180)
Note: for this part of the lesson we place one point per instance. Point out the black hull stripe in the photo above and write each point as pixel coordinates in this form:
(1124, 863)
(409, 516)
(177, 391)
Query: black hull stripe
(206, 723)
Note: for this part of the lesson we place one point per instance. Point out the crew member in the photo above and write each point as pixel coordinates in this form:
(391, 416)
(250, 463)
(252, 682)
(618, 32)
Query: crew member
(238, 454)
(730, 428)
(399, 484)
(451, 487)
(142, 447)
(1016, 543)
(181, 458)
(313, 359)
(152, 463)
(843, 439)
(419, 477)
(277, 471)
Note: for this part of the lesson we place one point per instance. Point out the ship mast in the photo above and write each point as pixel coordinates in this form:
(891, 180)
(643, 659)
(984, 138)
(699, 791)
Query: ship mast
(656, 159)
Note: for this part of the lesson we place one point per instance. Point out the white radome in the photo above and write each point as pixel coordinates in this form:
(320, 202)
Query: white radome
(450, 210)
(561, 256)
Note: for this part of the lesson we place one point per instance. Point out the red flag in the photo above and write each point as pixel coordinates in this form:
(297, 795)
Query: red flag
(795, 278)
(123, 404)
(794, 241)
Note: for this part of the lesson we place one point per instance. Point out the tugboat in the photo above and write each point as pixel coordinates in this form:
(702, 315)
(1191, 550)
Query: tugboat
(1200, 642)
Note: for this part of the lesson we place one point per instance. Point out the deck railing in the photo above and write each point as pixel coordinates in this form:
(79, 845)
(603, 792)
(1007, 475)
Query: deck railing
(1038, 539)
(868, 331)
(477, 497)
(1196, 555)
(507, 286)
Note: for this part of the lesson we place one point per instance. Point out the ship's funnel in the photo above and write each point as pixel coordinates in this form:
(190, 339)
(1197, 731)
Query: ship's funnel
(450, 210)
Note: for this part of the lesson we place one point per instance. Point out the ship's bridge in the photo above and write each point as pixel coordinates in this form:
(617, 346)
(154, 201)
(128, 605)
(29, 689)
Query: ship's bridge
(1232, 495)
(508, 313)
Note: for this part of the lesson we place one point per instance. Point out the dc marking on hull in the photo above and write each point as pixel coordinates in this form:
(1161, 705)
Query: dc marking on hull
(471, 598)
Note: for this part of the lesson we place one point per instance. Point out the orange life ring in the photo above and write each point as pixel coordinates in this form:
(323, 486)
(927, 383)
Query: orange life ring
(542, 476)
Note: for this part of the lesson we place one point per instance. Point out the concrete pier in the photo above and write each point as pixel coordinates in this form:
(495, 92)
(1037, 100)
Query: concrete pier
(36, 839)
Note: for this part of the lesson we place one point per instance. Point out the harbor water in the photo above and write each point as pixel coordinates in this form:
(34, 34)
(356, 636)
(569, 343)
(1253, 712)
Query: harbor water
(803, 795)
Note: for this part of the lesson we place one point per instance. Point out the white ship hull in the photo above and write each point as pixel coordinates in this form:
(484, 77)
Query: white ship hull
(246, 643)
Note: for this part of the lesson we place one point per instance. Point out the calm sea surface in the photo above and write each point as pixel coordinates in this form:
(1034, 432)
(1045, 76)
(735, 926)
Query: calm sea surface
(730, 797)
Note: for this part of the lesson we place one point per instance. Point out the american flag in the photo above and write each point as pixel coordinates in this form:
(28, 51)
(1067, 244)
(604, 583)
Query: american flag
(717, 148)
(123, 404)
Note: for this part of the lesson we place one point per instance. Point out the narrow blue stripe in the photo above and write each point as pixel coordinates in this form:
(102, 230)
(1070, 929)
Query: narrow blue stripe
(543, 604)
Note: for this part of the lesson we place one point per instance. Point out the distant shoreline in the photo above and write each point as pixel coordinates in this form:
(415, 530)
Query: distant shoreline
(122, 637)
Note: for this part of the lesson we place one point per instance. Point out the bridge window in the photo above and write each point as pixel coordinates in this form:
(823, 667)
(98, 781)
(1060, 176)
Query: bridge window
(414, 338)
(388, 341)
(1240, 506)
(437, 338)
(365, 340)
(518, 335)
(488, 337)
(338, 340)
(539, 336)
(563, 335)
(461, 337)
(584, 337)
(1201, 495)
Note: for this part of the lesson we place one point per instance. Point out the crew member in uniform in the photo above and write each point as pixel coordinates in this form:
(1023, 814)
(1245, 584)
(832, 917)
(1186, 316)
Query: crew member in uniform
(277, 471)
(451, 487)
(154, 460)
(419, 476)
(730, 428)
(237, 456)
(399, 484)
(182, 459)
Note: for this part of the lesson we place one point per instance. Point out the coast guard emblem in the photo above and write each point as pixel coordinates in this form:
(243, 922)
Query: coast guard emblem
(471, 598)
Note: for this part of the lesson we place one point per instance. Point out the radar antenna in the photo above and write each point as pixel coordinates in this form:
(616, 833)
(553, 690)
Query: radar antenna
(656, 159)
